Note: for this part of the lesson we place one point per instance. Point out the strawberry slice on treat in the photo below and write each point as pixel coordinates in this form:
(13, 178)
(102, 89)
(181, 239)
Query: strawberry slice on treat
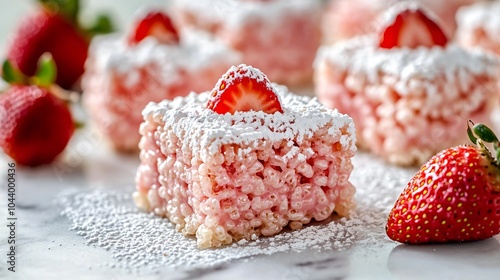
(53, 27)
(408, 25)
(244, 88)
(35, 125)
(454, 197)
(156, 24)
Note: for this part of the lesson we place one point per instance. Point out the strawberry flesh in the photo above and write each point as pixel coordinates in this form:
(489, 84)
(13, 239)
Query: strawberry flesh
(411, 27)
(44, 32)
(35, 126)
(156, 24)
(453, 198)
(243, 89)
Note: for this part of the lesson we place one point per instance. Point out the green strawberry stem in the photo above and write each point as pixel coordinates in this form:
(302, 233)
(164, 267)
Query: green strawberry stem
(46, 73)
(70, 9)
(102, 25)
(12, 75)
(45, 77)
(480, 134)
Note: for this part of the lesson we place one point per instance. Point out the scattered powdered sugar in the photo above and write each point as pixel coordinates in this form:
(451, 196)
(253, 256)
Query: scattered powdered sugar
(141, 242)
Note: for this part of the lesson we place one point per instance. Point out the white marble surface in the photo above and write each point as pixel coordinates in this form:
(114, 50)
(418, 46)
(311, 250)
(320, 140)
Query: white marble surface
(47, 250)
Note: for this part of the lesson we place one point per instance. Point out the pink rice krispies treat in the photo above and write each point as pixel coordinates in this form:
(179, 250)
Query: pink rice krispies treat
(479, 26)
(280, 37)
(407, 104)
(120, 79)
(228, 177)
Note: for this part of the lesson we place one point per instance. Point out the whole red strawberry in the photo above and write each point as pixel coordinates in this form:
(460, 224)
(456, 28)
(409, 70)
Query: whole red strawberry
(454, 197)
(35, 125)
(52, 28)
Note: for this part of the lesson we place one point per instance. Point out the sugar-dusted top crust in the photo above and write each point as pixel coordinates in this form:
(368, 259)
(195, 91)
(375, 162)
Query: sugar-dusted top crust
(239, 12)
(485, 15)
(196, 50)
(392, 11)
(200, 127)
(233, 74)
(361, 55)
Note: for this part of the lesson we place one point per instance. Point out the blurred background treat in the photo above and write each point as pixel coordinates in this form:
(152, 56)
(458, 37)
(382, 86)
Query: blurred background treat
(280, 37)
(150, 61)
(409, 89)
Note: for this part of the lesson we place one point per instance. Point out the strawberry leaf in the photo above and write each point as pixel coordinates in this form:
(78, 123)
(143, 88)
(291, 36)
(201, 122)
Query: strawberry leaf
(46, 72)
(12, 75)
(102, 25)
(68, 8)
(484, 133)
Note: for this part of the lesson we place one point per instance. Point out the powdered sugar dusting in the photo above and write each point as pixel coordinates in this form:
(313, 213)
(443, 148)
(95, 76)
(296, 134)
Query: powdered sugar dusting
(237, 73)
(142, 242)
(196, 50)
(389, 16)
(481, 15)
(302, 116)
(362, 55)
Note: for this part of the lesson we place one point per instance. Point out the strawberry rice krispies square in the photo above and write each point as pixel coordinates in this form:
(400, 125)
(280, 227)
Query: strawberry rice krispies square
(247, 159)
(409, 91)
(151, 63)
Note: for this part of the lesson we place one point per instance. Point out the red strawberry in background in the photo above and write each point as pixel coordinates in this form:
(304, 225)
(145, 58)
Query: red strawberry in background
(244, 88)
(454, 197)
(54, 28)
(153, 23)
(35, 125)
(408, 25)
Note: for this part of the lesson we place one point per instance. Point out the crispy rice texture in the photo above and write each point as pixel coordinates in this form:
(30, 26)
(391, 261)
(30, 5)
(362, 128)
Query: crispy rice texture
(407, 104)
(224, 178)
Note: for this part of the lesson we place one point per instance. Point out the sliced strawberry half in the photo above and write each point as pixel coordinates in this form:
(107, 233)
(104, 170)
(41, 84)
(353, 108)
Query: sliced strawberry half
(244, 88)
(407, 25)
(154, 23)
